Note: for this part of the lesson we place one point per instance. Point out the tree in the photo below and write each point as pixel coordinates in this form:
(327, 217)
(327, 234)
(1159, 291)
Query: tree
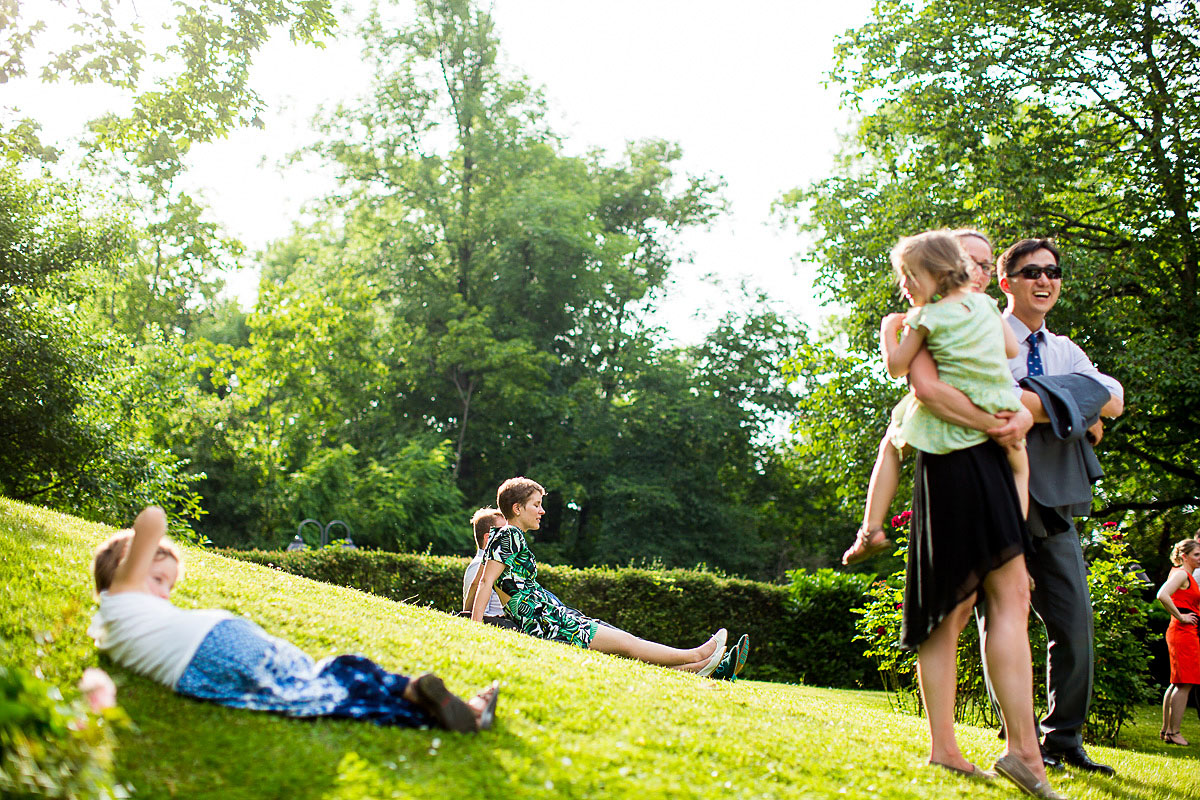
(1077, 120)
(73, 399)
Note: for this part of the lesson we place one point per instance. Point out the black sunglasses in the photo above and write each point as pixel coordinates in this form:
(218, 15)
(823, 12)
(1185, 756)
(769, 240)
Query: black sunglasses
(1033, 273)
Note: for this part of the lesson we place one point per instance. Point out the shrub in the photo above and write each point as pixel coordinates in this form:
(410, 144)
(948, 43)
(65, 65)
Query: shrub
(801, 633)
(1122, 657)
(51, 747)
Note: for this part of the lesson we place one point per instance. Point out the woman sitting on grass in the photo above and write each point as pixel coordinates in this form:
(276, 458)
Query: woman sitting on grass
(210, 654)
(510, 569)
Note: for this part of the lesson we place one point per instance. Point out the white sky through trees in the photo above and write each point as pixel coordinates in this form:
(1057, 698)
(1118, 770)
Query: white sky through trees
(739, 86)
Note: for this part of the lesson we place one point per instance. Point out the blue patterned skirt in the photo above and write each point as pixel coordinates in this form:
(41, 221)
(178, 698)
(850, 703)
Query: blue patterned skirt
(240, 665)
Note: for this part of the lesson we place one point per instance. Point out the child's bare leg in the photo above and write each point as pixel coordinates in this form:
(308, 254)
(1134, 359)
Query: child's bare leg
(1018, 459)
(885, 477)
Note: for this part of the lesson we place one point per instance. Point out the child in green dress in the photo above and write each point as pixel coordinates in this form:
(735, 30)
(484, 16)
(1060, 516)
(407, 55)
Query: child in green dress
(970, 344)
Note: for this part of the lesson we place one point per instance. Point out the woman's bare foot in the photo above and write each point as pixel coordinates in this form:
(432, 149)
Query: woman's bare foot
(867, 543)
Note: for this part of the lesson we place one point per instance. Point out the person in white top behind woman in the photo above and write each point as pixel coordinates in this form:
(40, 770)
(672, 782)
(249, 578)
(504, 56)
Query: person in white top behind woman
(482, 523)
(210, 654)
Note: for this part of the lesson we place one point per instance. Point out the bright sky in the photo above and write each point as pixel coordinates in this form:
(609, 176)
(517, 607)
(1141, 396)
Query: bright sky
(739, 86)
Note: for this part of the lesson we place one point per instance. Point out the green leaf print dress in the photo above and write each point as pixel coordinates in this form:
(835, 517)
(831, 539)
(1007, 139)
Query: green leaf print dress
(536, 610)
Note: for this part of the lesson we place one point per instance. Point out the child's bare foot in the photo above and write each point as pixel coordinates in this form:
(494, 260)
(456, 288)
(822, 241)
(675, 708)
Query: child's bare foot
(869, 542)
(483, 705)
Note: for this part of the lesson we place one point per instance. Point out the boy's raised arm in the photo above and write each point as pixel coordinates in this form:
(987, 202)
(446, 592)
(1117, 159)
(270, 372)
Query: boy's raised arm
(148, 530)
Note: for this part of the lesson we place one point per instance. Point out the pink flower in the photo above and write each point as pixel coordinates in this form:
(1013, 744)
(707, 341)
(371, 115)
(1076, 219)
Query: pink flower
(98, 688)
(899, 606)
(1122, 590)
(1109, 525)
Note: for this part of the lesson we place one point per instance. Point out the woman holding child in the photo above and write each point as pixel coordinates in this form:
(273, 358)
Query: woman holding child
(968, 536)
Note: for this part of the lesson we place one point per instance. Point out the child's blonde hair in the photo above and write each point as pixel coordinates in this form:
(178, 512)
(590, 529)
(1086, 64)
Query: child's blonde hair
(936, 253)
(109, 556)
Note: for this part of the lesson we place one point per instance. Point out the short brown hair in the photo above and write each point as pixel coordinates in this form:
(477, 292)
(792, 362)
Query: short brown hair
(1182, 547)
(515, 491)
(1019, 249)
(937, 253)
(109, 556)
(481, 523)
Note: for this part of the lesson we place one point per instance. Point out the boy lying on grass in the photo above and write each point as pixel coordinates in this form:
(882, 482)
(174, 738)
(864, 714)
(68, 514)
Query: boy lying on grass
(210, 654)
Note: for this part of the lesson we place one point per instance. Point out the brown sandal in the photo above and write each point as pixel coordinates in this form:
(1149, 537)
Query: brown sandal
(867, 544)
(447, 710)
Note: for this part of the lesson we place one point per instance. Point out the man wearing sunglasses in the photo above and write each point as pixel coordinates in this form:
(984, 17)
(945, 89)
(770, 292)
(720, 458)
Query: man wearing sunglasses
(1055, 373)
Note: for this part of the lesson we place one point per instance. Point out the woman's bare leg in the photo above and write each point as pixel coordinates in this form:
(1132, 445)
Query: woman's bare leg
(1006, 648)
(1178, 706)
(619, 642)
(937, 671)
(1166, 705)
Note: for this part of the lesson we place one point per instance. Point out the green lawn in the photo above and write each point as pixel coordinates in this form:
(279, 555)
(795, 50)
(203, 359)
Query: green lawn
(571, 723)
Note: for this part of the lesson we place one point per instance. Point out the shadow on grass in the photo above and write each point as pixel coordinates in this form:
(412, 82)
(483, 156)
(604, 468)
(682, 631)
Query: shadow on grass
(180, 747)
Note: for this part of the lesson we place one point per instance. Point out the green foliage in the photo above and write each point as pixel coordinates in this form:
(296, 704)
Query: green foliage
(802, 632)
(1074, 120)
(73, 398)
(824, 601)
(53, 747)
(1122, 658)
(407, 503)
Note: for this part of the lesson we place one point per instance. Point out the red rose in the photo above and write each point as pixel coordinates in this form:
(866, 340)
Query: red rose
(1116, 537)
(899, 605)
(1108, 524)
(881, 630)
(1122, 590)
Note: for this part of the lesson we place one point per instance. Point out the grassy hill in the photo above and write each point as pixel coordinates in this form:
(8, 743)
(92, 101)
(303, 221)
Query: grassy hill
(571, 724)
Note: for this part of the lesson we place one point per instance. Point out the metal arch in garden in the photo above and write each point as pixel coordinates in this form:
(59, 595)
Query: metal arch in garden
(298, 542)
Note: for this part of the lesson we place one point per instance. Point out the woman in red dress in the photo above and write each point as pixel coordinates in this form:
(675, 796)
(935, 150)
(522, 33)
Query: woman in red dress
(1181, 596)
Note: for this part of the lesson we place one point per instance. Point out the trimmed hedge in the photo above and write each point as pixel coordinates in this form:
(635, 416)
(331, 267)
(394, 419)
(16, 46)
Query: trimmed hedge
(802, 633)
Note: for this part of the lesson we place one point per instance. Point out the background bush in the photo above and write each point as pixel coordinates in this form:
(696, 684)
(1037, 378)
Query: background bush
(799, 633)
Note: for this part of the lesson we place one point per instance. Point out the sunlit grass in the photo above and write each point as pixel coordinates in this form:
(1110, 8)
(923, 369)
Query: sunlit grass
(571, 723)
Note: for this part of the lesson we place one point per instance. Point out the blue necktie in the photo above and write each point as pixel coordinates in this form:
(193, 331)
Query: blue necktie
(1033, 361)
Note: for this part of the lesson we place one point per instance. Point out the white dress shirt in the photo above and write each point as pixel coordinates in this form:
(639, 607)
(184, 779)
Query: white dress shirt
(1060, 356)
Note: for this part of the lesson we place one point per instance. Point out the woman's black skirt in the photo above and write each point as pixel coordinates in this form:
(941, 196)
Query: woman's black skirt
(966, 522)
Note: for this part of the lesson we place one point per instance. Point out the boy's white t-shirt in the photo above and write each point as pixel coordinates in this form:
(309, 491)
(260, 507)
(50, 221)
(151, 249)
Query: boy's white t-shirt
(494, 607)
(151, 636)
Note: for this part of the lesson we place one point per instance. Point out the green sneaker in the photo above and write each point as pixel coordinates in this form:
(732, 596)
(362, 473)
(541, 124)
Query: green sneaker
(725, 670)
(742, 648)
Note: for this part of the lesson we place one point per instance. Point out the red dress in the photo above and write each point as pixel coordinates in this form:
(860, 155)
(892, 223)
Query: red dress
(1183, 641)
